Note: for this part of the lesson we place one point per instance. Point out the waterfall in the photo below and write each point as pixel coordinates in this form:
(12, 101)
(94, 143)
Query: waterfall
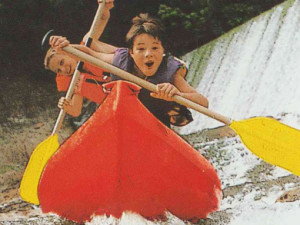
(254, 70)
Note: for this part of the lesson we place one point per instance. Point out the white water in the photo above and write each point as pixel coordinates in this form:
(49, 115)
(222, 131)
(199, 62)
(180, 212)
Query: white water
(252, 71)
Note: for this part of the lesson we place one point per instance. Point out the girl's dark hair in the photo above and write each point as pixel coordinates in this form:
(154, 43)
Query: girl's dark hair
(144, 24)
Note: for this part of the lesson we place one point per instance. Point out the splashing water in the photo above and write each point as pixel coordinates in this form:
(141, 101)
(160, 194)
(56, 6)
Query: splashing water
(253, 70)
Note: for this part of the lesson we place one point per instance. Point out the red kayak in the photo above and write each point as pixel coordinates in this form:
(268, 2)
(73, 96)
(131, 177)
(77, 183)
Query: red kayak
(124, 159)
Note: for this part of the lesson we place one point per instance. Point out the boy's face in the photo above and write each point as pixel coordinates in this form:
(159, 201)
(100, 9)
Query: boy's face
(147, 53)
(62, 64)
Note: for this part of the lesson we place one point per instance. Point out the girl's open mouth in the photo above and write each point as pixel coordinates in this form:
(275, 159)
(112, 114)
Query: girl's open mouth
(149, 64)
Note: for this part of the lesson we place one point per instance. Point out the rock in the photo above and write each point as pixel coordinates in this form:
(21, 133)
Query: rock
(290, 196)
(38, 125)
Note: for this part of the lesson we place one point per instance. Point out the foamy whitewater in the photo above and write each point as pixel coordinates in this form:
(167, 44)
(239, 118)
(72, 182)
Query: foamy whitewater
(252, 71)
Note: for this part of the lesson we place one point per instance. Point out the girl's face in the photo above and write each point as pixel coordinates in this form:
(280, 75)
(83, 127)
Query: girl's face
(147, 53)
(62, 64)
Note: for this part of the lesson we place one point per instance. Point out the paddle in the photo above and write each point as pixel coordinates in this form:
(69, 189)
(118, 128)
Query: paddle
(44, 151)
(267, 138)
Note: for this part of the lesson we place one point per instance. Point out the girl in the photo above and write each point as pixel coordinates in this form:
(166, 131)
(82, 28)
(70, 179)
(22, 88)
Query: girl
(146, 58)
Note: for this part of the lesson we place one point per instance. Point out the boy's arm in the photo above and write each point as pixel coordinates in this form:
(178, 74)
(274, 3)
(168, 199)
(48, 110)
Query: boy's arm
(72, 107)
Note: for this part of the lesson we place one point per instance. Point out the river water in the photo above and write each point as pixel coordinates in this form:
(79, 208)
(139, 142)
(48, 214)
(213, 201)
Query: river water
(254, 70)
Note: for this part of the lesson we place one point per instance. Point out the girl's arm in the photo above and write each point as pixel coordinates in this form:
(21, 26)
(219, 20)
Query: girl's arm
(109, 4)
(97, 45)
(188, 91)
(179, 87)
(106, 57)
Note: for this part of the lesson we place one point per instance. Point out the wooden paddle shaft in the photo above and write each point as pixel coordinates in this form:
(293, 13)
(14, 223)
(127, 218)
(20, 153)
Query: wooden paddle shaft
(143, 83)
(97, 21)
(76, 74)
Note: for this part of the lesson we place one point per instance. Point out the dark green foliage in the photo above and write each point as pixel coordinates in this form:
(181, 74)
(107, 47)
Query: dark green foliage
(192, 23)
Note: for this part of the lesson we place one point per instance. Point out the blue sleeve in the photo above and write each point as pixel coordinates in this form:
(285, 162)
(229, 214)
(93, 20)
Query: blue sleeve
(121, 60)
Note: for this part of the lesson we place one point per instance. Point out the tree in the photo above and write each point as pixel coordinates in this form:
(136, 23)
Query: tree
(192, 23)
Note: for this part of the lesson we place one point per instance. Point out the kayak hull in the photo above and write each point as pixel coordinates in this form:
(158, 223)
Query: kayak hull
(124, 159)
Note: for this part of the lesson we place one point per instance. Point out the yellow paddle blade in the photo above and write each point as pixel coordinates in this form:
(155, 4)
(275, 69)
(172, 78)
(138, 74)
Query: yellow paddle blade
(272, 141)
(31, 177)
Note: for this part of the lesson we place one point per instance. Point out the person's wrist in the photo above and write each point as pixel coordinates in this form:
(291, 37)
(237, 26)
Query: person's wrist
(105, 15)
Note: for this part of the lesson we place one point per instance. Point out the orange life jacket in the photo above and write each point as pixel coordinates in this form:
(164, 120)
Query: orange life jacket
(90, 84)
